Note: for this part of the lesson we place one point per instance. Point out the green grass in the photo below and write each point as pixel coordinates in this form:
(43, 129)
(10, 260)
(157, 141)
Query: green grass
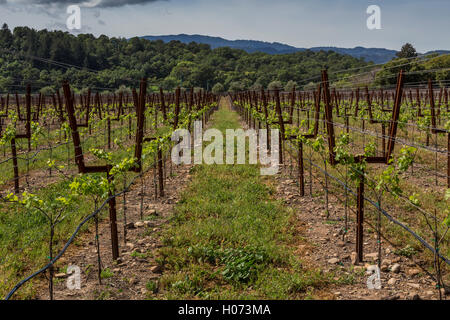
(152, 286)
(24, 237)
(106, 273)
(229, 239)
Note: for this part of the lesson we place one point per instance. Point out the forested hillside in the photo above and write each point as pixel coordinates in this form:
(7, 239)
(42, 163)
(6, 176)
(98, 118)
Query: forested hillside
(376, 55)
(45, 58)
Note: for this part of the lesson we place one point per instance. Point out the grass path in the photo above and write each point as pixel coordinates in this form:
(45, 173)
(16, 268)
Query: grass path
(230, 239)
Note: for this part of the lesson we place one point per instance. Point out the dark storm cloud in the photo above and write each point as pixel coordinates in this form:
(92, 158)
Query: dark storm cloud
(89, 3)
(119, 3)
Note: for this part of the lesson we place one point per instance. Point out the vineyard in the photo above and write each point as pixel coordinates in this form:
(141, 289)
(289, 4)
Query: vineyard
(58, 169)
(374, 162)
(344, 143)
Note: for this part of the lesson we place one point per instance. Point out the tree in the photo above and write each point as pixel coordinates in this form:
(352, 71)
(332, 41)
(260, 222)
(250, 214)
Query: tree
(47, 91)
(183, 71)
(264, 79)
(202, 76)
(310, 86)
(122, 61)
(123, 89)
(275, 85)
(290, 85)
(218, 88)
(6, 36)
(256, 86)
(5, 83)
(407, 51)
(341, 84)
(236, 86)
(388, 73)
(170, 83)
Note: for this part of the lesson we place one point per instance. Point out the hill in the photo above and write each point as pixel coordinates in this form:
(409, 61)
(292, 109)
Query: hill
(45, 57)
(376, 55)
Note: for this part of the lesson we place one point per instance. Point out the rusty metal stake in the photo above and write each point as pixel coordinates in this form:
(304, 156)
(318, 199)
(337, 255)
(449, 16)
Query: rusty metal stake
(301, 179)
(160, 173)
(360, 220)
(448, 160)
(113, 222)
(15, 166)
(109, 132)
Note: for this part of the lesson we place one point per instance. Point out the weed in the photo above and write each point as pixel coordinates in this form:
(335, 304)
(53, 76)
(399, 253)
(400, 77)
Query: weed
(106, 273)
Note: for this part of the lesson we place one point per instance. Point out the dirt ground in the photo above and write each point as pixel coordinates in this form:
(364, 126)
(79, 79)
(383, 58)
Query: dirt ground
(328, 250)
(325, 248)
(125, 279)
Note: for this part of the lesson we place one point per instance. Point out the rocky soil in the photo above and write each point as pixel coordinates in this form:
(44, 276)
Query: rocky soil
(329, 250)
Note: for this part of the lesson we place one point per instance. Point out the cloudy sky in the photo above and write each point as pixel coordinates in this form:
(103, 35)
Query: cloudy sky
(301, 23)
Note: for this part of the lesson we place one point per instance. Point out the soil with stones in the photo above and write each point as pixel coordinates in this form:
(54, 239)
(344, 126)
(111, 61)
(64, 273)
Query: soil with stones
(127, 278)
(325, 248)
(329, 250)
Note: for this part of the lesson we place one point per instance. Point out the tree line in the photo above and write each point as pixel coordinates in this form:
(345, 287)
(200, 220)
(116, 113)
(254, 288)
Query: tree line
(45, 58)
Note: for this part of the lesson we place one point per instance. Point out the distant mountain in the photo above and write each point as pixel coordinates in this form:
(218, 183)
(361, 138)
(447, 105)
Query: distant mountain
(217, 42)
(439, 52)
(377, 55)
